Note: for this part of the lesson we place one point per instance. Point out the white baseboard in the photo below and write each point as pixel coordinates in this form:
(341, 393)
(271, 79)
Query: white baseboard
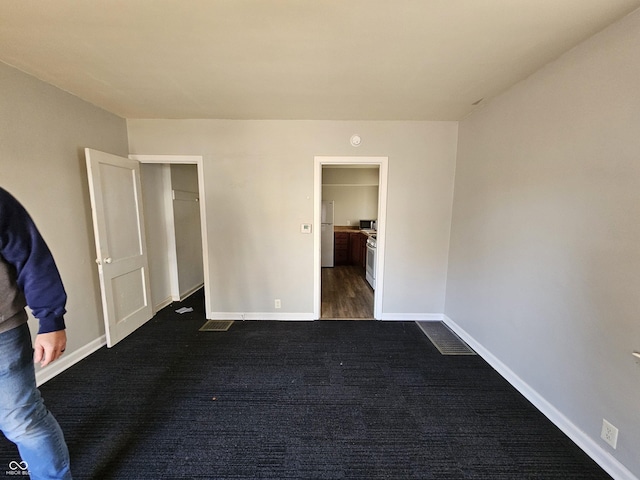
(412, 317)
(187, 293)
(167, 301)
(260, 316)
(391, 317)
(170, 299)
(602, 457)
(66, 361)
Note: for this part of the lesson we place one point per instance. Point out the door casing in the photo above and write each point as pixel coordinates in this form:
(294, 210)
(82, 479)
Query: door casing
(382, 164)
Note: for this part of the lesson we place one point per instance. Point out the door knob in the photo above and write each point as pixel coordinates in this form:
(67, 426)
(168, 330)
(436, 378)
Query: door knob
(108, 260)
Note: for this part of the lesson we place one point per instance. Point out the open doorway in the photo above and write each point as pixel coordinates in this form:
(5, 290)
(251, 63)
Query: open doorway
(174, 187)
(350, 184)
(350, 210)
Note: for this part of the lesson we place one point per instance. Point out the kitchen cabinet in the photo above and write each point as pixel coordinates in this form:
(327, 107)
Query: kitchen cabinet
(350, 248)
(357, 249)
(341, 248)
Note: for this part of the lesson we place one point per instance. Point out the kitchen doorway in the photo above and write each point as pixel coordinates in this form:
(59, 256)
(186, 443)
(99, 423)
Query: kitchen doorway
(341, 292)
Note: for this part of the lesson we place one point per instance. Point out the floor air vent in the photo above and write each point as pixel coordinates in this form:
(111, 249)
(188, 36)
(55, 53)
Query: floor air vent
(444, 339)
(216, 326)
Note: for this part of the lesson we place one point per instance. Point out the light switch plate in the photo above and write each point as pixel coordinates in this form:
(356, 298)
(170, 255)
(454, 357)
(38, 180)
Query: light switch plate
(305, 228)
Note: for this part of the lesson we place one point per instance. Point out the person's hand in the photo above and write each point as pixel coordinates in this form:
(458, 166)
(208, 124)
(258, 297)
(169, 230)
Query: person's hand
(48, 347)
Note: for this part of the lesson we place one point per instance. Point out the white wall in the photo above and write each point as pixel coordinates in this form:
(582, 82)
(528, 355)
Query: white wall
(545, 246)
(43, 132)
(259, 182)
(354, 191)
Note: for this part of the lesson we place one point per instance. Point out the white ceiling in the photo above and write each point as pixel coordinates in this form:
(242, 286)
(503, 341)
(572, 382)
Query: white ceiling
(293, 59)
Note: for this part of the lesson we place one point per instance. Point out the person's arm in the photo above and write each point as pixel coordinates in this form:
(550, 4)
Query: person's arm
(22, 246)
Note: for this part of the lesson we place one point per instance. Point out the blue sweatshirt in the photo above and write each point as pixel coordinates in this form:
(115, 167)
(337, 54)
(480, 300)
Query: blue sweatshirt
(28, 273)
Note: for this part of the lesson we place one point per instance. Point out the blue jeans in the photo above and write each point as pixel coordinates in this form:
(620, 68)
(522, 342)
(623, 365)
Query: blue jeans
(24, 419)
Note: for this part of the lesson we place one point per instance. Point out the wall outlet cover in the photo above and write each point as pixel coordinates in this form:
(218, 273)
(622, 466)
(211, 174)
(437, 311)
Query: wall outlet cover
(609, 433)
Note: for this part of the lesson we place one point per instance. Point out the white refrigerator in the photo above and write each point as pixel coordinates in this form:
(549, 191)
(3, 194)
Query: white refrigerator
(326, 235)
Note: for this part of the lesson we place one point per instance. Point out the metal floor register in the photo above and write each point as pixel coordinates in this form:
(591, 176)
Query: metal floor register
(444, 339)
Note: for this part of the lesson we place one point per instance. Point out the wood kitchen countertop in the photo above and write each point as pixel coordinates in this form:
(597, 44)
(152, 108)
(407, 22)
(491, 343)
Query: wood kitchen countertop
(349, 229)
(339, 228)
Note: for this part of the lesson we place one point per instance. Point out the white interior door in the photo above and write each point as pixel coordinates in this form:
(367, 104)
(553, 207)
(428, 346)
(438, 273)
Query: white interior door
(118, 223)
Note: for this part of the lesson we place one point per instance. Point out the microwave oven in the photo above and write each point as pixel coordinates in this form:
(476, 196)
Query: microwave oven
(367, 224)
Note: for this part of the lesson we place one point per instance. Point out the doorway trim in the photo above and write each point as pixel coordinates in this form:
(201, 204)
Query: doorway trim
(198, 161)
(382, 164)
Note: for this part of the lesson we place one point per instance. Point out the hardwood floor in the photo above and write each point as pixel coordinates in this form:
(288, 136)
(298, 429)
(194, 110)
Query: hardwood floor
(346, 295)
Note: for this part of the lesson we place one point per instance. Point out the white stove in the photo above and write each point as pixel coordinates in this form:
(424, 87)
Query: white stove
(371, 261)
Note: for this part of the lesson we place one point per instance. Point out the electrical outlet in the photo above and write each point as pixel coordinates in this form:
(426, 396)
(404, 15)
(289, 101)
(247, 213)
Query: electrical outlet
(609, 433)
(278, 303)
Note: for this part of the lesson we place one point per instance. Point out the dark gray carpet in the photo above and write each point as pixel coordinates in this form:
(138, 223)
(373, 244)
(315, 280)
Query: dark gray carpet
(298, 400)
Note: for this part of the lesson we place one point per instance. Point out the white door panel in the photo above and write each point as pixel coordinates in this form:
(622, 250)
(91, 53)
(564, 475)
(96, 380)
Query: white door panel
(116, 203)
